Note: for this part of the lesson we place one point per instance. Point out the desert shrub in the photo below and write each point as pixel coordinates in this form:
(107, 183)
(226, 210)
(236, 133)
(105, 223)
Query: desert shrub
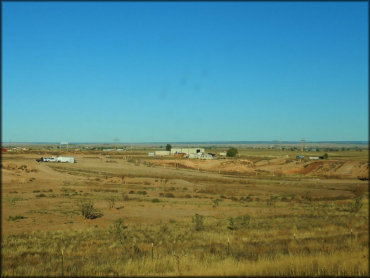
(118, 229)
(13, 191)
(131, 192)
(41, 195)
(356, 205)
(169, 195)
(184, 188)
(235, 199)
(88, 211)
(155, 200)
(198, 221)
(172, 221)
(36, 191)
(232, 225)
(141, 192)
(161, 194)
(17, 217)
(243, 220)
(231, 152)
(216, 202)
(187, 196)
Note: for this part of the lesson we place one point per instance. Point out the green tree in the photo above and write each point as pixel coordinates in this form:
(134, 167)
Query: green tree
(325, 156)
(168, 147)
(232, 152)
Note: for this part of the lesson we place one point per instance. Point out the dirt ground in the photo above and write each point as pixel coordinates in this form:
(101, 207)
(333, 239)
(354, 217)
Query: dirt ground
(46, 194)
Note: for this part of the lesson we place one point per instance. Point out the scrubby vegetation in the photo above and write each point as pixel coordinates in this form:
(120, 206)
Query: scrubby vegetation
(160, 222)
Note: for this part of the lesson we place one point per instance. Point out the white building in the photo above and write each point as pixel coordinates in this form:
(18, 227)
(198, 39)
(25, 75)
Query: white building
(162, 153)
(65, 159)
(188, 151)
(313, 157)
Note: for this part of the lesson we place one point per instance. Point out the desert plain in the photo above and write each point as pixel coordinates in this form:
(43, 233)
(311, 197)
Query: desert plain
(264, 212)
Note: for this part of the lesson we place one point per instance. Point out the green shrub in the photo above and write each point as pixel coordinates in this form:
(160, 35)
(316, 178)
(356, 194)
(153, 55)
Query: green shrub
(17, 217)
(216, 202)
(231, 152)
(231, 225)
(243, 220)
(356, 205)
(131, 192)
(169, 195)
(88, 211)
(41, 195)
(141, 192)
(155, 200)
(198, 221)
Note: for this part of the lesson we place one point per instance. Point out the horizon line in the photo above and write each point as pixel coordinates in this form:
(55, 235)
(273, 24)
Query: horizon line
(198, 142)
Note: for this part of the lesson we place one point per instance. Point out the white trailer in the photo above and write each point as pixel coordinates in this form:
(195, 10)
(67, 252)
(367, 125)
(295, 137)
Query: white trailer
(49, 159)
(65, 159)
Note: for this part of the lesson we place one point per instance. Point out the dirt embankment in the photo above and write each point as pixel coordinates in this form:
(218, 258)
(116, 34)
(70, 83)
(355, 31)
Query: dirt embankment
(325, 168)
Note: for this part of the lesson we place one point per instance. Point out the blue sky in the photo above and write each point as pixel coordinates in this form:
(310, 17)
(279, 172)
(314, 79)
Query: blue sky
(167, 72)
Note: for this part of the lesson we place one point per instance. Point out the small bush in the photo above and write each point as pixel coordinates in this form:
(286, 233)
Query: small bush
(141, 192)
(169, 195)
(155, 200)
(36, 191)
(187, 196)
(231, 225)
(216, 202)
(17, 217)
(88, 211)
(131, 192)
(198, 221)
(356, 205)
(231, 152)
(41, 195)
(244, 220)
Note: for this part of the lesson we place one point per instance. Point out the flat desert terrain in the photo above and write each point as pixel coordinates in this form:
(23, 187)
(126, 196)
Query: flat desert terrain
(263, 213)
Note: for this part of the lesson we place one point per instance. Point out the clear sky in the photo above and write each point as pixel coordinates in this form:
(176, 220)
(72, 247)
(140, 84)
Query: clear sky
(167, 72)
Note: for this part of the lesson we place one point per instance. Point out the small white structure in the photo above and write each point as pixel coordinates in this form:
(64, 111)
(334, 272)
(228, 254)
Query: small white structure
(162, 153)
(223, 154)
(49, 159)
(65, 159)
(188, 151)
(150, 154)
(313, 157)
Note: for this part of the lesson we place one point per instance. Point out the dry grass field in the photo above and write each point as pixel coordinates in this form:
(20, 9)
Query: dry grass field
(264, 213)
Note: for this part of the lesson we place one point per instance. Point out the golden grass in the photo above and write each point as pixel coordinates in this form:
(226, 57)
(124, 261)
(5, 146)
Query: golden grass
(295, 227)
